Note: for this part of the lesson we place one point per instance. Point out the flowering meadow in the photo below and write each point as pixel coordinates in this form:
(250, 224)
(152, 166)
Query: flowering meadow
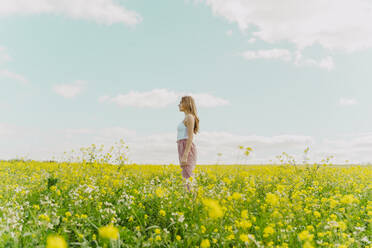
(50, 204)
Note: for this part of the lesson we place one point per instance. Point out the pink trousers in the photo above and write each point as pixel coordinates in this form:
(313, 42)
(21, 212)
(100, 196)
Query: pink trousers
(187, 171)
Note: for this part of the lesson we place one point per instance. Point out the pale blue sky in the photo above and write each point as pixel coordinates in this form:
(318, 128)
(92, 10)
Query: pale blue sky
(182, 47)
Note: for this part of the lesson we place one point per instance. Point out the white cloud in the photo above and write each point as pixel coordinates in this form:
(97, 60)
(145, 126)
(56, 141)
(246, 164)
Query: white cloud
(102, 11)
(69, 90)
(207, 100)
(5, 73)
(281, 54)
(160, 98)
(347, 101)
(229, 32)
(336, 24)
(287, 56)
(13, 76)
(161, 148)
(324, 63)
(157, 98)
(252, 40)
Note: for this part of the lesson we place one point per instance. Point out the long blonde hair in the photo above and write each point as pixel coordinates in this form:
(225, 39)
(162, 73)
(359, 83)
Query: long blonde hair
(190, 106)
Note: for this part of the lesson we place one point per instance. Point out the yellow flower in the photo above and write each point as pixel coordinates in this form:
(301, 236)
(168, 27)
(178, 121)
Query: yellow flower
(94, 237)
(280, 188)
(308, 245)
(68, 214)
(162, 212)
(56, 241)
(159, 192)
(109, 232)
(236, 196)
(348, 199)
(157, 231)
(214, 209)
(333, 216)
(231, 237)
(268, 231)
(342, 225)
(205, 243)
(305, 235)
(245, 224)
(316, 214)
(310, 228)
(244, 237)
(178, 237)
(202, 228)
(157, 238)
(244, 214)
(333, 203)
(226, 180)
(44, 217)
(272, 199)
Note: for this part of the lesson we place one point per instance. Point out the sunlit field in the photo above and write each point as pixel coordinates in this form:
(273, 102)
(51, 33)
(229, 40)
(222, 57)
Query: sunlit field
(50, 204)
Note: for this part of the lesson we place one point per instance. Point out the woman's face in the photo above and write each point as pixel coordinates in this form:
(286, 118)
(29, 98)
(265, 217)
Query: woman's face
(180, 106)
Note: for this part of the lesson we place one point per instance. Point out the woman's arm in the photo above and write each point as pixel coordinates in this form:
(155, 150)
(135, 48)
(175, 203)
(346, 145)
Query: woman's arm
(190, 122)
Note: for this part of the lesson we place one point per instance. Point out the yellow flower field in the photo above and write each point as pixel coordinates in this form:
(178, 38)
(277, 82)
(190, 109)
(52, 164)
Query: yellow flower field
(49, 204)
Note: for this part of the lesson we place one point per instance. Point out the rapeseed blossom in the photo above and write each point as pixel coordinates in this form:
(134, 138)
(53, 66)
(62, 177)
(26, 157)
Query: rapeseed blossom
(205, 243)
(162, 212)
(236, 196)
(109, 232)
(305, 236)
(213, 207)
(244, 237)
(272, 199)
(160, 192)
(244, 214)
(269, 230)
(331, 205)
(56, 241)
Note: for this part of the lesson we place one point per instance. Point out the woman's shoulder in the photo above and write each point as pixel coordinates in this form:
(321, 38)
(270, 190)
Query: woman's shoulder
(189, 117)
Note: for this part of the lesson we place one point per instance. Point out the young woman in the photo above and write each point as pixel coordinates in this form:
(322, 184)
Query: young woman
(187, 152)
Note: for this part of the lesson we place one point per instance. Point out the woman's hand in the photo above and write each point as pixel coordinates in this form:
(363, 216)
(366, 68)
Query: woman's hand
(184, 160)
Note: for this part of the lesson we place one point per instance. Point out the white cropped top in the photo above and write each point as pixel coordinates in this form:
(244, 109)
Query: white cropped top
(181, 131)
